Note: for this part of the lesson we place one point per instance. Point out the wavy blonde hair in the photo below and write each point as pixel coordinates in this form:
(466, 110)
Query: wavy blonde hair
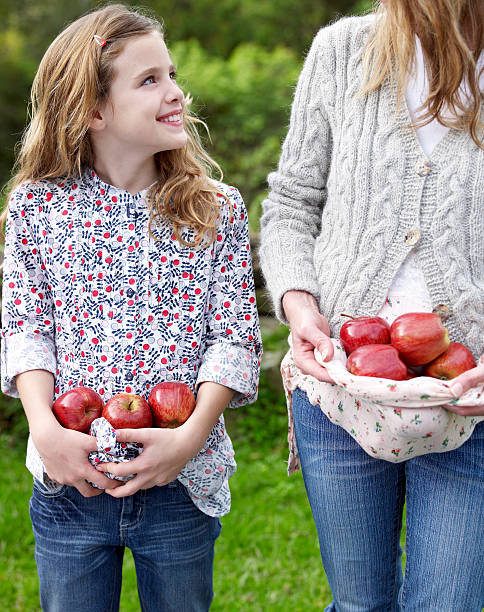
(452, 36)
(73, 78)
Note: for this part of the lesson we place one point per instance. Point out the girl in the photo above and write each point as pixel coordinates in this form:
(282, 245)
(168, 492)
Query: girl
(377, 206)
(125, 266)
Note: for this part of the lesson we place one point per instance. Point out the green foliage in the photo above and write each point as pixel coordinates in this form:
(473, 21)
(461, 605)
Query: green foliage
(12, 418)
(245, 101)
(18, 574)
(219, 26)
(263, 424)
(238, 58)
(16, 72)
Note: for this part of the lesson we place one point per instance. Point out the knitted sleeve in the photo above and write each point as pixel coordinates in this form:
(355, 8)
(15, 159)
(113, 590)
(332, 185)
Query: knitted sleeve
(292, 211)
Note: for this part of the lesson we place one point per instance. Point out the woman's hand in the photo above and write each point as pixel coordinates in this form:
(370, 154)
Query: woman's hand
(463, 383)
(309, 330)
(65, 453)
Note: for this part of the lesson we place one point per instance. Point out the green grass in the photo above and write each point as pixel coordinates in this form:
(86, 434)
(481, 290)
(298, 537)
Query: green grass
(267, 557)
(268, 542)
(18, 573)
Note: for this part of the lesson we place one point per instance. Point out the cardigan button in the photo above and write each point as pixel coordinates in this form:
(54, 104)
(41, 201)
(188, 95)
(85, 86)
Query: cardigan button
(443, 311)
(422, 167)
(412, 236)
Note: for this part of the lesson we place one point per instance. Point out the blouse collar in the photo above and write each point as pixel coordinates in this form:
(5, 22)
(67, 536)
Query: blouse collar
(98, 184)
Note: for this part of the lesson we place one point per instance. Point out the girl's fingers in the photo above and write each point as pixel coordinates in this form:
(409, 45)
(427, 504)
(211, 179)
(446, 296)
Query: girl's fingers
(129, 488)
(96, 476)
(133, 435)
(90, 444)
(125, 468)
(86, 490)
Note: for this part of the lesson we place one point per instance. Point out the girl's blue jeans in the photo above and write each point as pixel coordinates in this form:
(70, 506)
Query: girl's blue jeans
(79, 546)
(357, 503)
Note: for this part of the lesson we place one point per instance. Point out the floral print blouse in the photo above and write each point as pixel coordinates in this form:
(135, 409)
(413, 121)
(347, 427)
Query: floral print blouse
(91, 296)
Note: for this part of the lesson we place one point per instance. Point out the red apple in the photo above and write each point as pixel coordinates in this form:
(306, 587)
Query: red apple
(360, 331)
(380, 360)
(452, 362)
(172, 403)
(419, 337)
(128, 411)
(77, 408)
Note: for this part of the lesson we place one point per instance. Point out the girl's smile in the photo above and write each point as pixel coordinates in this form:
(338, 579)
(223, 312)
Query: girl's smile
(174, 118)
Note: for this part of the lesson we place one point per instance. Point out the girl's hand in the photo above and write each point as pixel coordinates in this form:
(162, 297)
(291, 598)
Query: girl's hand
(65, 454)
(463, 383)
(309, 330)
(165, 454)
(167, 451)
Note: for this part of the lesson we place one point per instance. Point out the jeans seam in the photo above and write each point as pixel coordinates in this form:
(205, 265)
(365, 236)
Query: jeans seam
(404, 585)
(397, 520)
(113, 596)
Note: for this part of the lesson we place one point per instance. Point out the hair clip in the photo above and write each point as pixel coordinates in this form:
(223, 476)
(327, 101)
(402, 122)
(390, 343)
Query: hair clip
(100, 41)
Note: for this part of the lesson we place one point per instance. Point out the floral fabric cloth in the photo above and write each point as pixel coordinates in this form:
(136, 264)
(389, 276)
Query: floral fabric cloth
(109, 450)
(390, 420)
(91, 296)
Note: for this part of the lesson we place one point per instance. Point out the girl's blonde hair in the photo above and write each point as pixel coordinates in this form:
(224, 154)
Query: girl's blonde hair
(73, 78)
(452, 36)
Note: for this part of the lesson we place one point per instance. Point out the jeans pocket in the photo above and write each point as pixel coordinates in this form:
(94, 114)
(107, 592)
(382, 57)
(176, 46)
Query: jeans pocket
(49, 488)
(304, 412)
(301, 394)
(181, 488)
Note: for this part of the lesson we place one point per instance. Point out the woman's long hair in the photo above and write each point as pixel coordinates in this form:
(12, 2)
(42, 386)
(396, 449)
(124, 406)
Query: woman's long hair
(73, 79)
(451, 33)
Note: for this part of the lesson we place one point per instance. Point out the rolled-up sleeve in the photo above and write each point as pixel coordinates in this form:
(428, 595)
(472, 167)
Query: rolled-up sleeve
(233, 347)
(27, 313)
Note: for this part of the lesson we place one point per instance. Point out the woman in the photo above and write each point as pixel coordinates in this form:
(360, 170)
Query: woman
(377, 201)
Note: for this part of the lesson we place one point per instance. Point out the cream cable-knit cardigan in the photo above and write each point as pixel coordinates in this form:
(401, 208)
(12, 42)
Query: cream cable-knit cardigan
(354, 193)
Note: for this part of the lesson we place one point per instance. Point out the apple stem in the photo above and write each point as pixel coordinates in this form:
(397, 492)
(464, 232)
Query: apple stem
(346, 315)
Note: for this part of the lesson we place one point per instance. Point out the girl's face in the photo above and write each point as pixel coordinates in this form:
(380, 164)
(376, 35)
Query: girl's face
(144, 111)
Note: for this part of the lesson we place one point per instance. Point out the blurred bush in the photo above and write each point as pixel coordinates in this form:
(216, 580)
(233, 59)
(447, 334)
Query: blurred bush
(245, 102)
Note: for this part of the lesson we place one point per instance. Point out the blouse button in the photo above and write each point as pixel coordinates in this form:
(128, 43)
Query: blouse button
(129, 376)
(130, 292)
(412, 236)
(443, 311)
(422, 167)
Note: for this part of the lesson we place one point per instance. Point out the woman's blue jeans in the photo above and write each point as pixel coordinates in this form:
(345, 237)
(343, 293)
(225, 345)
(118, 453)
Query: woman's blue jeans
(79, 546)
(357, 504)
